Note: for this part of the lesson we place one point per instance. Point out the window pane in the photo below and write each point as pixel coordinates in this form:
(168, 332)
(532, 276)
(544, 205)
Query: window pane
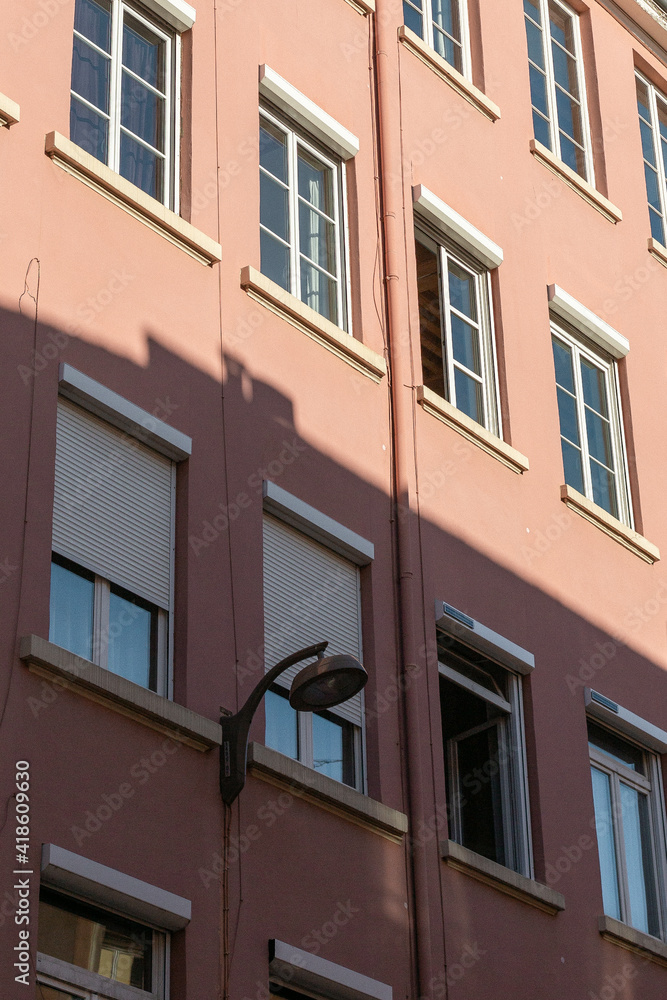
(413, 19)
(652, 194)
(131, 639)
(606, 843)
(446, 16)
(469, 396)
(88, 130)
(90, 75)
(281, 724)
(317, 238)
(565, 70)
(465, 344)
(93, 939)
(94, 21)
(273, 150)
(318, 291)
(541, 130)
(449, 50)
(274, 206)
(532, 9)
(538, 91)
(599, 438)
(429, 319)
(637, 859)
(316, 183)
(648, 148)
(141, 166)
(462, 291)
(572, 466)
(71, 610)
(657, 227)
(274, 260)
(569, 116)
(144, 53)
(643, 100)
(563, 365)
(572, 155)
(535, 44)
(142, 112)
(481, 809)
(604, 488)
(567, 412)
(328, 747)
(561, 27)
(616, 748)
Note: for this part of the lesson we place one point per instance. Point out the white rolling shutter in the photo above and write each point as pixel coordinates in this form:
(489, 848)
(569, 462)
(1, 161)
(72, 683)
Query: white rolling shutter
(113, 505)
(310, 595)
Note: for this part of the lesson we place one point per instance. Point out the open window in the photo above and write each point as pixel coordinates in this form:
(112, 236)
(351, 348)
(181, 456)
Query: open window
(484, 747)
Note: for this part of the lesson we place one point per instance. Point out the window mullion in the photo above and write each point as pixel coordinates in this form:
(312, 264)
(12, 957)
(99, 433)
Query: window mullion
(581, 421)
(455, 831)
(448, 347)
(583, 100)
(483, 361)
(115, 84)
(657, 150)
(101, 622)
(551, 78)
(292, 166)
(621, 869)
(427, 16)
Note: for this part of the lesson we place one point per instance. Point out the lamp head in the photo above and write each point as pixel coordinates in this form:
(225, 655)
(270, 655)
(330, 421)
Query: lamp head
(328, 681)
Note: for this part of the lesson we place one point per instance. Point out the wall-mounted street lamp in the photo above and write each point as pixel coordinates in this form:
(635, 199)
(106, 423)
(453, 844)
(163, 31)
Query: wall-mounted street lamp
(328, 681)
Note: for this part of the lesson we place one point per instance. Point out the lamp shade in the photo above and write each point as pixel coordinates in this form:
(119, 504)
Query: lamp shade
(327, 682)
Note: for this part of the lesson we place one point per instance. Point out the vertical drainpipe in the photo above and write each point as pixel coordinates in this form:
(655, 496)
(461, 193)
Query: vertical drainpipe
(417, 737)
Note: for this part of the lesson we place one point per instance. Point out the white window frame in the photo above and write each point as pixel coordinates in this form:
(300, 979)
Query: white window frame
(447, 250)
(297, 137)
(171, 156)
(513, 770)
(89, 985)
(652, 786)
(428, 31)
(305, 744)
(551, 83)
(655, 95)
(101, 600)
(606, 364)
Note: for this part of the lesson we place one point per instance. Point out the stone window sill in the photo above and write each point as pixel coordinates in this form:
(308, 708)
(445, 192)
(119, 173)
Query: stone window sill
(470, 429)
(323, 331)
(657, 250)
(66, 671)
(577, 183)
(478, 867)
(648, 947)
(620, 532)
(304, 783)
(442, 68)
(10, 112)
(96, 175)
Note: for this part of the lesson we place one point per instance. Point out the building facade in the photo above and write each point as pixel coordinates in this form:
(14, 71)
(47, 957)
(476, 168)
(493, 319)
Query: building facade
(335, 322)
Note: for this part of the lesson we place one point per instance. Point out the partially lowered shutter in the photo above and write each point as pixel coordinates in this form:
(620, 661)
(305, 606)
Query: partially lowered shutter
(310, 595)
(113, 505)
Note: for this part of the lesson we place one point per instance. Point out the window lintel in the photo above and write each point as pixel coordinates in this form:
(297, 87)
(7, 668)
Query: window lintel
(446, 219)
(567, 308)
(316, 121)
(605, 710)
(484, 639)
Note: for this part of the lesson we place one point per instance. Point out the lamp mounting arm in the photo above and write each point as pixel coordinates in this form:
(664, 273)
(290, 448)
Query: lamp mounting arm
(235, 728)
